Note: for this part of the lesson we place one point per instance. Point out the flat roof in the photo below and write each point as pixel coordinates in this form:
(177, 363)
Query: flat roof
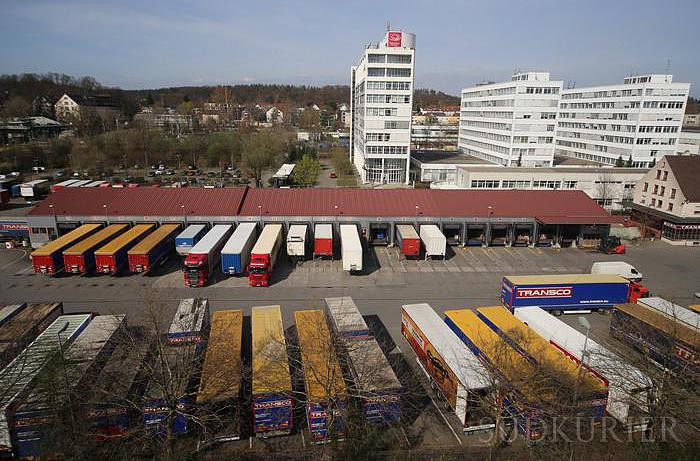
(446, 156)
(251, 202)
(285, 170)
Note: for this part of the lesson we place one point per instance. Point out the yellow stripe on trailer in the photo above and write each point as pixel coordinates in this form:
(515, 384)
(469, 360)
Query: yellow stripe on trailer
(221, 372)
(65, 240)
(124, 239)
(270, 361)
(695, 308)
(322, 373)
(153, 239)
(535, 345)
(95, 239)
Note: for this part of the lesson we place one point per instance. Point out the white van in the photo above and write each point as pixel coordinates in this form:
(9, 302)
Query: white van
(620, 268)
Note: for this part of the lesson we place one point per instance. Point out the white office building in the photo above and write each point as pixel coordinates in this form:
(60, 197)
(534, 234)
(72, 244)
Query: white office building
(638, 121)
(381, 98)
(511, 123)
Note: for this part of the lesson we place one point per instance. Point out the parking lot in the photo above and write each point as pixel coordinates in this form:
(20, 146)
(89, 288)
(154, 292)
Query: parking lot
(468, 277)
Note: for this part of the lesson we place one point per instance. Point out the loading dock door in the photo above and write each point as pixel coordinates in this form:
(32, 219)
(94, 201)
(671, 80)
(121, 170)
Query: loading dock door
(476, 235)
(547, 235)
(499, 235)
(452, 233)
(379, 233)
(523, 235)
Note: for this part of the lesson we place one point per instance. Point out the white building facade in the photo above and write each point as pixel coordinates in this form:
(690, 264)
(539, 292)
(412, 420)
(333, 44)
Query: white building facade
(638, 121)
(381, 99)
(511, 123)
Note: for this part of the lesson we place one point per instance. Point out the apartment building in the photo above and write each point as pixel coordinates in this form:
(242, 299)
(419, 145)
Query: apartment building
(667, 199)
(381, 98)
(638, 120)
(511, 123)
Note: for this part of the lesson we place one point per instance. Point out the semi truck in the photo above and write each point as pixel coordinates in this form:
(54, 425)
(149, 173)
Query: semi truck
(264, 255)
(296, 241)
(350, 248)
(200, 262)
(80, 258)
(323, 240)
(452, 369)
(236, 253)
(153, 250)
(48, 259)
(433, 240)
(271, 379)
(220, 382)
(189, 238)
(408, 240)
(629, 390)
(113, 257)
(569, 293)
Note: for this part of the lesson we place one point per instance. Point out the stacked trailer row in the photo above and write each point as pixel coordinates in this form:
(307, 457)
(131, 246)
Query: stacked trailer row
(24, 327)
(17, 377)
(236, 252)
(200, 262)
(326, 394)
(350, 248)
(120, 382)
(565, 293)
(35, 417)
(629, 390)
(190, 323)
(49, 258)
(593, 392)
(323, 240)
(189, 238)
(272, 382)
(449, 365)
(113, 257)
(153, 250)
(80, 258)
(220, 383)
(666, 342)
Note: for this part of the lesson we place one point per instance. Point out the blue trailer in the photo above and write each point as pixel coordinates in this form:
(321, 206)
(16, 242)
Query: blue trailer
(236, 252)
(569, 292)
(189, 238)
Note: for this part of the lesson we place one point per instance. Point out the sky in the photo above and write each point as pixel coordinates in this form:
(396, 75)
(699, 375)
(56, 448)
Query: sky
(155, 43)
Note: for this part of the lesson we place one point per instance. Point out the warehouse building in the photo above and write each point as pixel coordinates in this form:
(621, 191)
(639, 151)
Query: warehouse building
(495, 216)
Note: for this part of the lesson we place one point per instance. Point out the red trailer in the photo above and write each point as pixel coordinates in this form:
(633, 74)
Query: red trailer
(80, 258)
(408, 240)
(323, 240)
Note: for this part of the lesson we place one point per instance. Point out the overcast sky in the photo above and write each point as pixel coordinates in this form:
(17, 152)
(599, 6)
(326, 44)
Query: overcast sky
(153, 43)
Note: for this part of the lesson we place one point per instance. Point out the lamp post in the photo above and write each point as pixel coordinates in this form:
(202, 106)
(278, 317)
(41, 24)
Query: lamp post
(585, 324)
(106, 216)
(184, 216)
(260, 215)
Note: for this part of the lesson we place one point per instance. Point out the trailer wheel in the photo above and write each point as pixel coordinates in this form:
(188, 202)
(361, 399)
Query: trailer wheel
(557, 312)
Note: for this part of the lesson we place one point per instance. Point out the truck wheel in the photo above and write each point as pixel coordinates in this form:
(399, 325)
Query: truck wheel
(557, 312)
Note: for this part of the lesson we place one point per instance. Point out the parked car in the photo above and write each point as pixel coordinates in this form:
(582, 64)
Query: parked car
(333, 175)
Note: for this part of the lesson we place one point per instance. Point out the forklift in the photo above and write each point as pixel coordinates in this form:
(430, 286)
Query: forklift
(611, 246)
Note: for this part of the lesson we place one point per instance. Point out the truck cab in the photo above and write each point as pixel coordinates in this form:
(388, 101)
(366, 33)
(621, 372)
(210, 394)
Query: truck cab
(259, 273)
(637, 291)
(195, 270)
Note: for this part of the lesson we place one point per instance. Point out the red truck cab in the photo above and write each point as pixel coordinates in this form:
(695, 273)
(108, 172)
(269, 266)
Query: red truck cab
(259, 270)
(637, 291)
(195, 270)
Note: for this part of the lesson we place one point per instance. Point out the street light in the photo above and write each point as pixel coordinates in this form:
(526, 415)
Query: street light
(184, 217)
(260, 215)
(106, 216)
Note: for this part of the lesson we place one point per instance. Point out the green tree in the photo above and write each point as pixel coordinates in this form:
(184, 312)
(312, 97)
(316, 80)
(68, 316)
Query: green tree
(306, 171)
(186, 108)
(224, 147)
(261, 151)
(619, 162)
(629, 162)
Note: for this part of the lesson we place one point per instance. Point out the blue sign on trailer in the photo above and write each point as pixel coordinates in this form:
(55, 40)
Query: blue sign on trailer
(564, 292)
(272, 413)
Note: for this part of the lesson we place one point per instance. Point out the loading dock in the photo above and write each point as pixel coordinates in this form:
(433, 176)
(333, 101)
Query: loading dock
(522, 235)
(379, 233)
(453, 233)
(499, 235)
(476, 235)
(547, 235)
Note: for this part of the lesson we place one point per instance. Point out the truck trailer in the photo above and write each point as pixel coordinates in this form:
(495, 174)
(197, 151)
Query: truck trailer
(272, 382)
(350, 248)
(569, 293)
(63, 184)
(408, 240)
(34, 189)
(113, 257)
(264, 255)
(8, 311)
(48, 259)
(220, 383)
(672, 311)
(200, 262)
(190, 323)
(630, 392)
(323, 240)
(433, 240)
(23, 327)
(454, 371)
(296, 241)
(189, 237)
(153, 250)
(345, 318)
(326, 394)
(236, 253)
(80, 258)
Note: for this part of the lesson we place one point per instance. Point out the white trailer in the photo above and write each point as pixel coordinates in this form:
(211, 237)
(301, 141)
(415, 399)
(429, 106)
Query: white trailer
(672, 311)
(33, 189)
(350, 248)
(629, 390)
(433, 240)
(94, 184)
(345, 318)
(190, 323)
(296, 241)
(80, 183)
